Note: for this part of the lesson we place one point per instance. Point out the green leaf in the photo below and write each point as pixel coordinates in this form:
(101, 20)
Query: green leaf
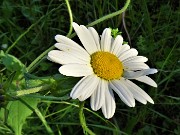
(115, 32)
(34, 81)
(18, 112)
(63, 85)
(32, 90)
(12, 63)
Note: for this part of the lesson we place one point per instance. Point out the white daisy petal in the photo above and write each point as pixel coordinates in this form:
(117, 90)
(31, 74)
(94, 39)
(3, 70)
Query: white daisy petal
(135, 59)
(109, 106)
(126, 96)
(51, 59)
(95, 36)
(76, 70)
(106, 40)
(135, 66)
(85, 37)
(136, 94)
(93, 87)
(147, 80)
(86, 84)
(65, 58)
(136, 74)
(99, 70)
(54, 56)
(139, 90)
(98, 97)
(129, 53)
(123, 49)
(64, 40)
(117, 44)
(80, 53)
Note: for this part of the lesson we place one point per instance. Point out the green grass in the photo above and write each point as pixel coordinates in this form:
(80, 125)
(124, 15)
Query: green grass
(28, 29)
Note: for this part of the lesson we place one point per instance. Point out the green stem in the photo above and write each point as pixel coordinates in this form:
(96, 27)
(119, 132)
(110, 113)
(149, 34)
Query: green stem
(83, 121)
(110, 15)
(39, 114)
(70, 18)
(22, 35)
(29, 68)
(166, 60)
(72, 35)
(41, 117)
(32, 90)
(34, 24)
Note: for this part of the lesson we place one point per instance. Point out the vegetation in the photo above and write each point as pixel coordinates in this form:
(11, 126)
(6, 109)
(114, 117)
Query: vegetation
(34, 96)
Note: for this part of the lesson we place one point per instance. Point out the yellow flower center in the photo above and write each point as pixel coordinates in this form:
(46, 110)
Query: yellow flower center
(106, 65)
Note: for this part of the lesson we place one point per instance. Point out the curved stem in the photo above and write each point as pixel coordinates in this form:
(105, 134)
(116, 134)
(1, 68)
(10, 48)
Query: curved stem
(125, 28)
(34, 24)
(110, 15)
(72, 35)
(83, 121)
(52, 47)
(70, 18)
(38, 58)
(22, 35)
(39, 114)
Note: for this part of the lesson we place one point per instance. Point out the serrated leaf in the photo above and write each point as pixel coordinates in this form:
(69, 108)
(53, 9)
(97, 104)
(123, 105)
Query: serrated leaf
(18, 112)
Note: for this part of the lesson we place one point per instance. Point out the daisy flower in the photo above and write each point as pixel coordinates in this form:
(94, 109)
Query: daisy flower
(106, 65)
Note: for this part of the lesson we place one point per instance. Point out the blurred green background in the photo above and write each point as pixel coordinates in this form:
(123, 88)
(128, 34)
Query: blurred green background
(153, 27)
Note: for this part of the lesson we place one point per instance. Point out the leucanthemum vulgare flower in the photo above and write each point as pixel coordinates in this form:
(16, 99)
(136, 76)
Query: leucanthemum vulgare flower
(106, 65)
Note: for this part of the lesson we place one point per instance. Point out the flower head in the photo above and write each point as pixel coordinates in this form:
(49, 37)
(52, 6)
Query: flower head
(106, 65)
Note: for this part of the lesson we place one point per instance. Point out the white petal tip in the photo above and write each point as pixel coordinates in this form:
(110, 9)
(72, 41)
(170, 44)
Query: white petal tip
(133, 103)
(71, 95)
(61, 71)
(48, 58)
(108, 117)
(155, 85)
(74, 24)
(144, 103)
(152, 102)
(94, 109)
(56, 45)
(154, 71)
(74, 97)
(57, 38)
(81, 99)
(108, 30)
